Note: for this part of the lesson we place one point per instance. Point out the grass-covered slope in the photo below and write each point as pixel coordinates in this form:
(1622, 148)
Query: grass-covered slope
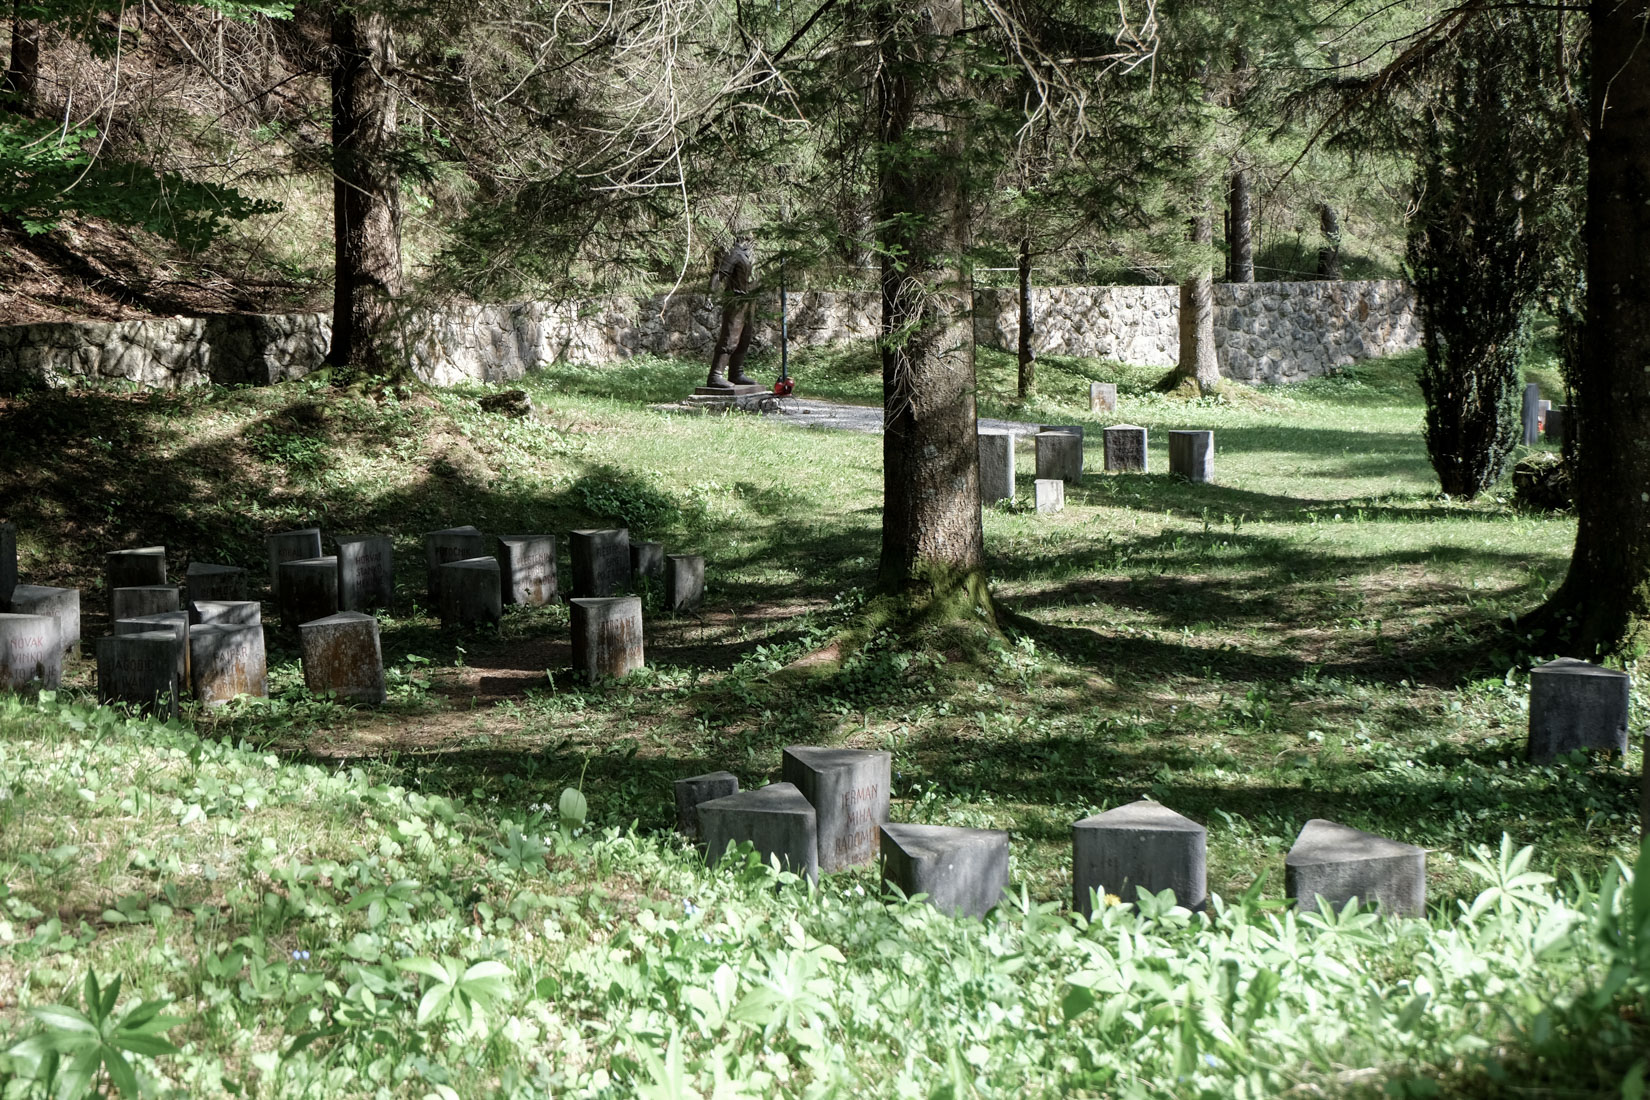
(326, 932)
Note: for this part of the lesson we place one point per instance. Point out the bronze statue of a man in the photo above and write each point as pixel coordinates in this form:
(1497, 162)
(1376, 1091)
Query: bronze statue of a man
(733, 281)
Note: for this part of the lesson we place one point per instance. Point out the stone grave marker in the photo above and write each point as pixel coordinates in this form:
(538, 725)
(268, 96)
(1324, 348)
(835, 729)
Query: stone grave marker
(996, 465)
(304, 544)
(1125, 449)
(238, 612)
(1141, 846)
(684, 581)
(30, 653)
(141, 669)
(1051, 494)
(527, 569)
(963, 871)
(1339, 863)
(148, 599)
(1070, 429)
(1532, 413)
(205, 581)
(1059, 455)
(690, 792)
(174, 624)
(226, 660)
(366, 572)
(8, 562)
(471, 592)
(441, 547)
(1102, 396)
(607, 636)
(849, 790)
(777, 821)
(309, 590)
(1557, 426)
(647, 562)
(601, 561)
(1192, 455)
(1577, 705)
(341, 654)
(62, 604)
(137, 568)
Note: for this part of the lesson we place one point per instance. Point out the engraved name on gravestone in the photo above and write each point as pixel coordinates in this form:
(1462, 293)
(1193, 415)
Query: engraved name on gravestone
(1125, 449)
(607, 636)
(139, 668)
(342, 655)
(172, 623)
(366, 572)
(62, 604)
(30, 653)
(849, 790)
(227, 660)
(527, 569)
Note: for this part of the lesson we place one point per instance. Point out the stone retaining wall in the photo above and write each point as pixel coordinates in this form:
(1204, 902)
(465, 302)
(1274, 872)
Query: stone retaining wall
(1267, 332)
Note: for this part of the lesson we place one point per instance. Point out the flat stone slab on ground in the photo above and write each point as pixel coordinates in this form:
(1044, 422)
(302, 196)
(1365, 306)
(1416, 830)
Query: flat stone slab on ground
(1051, 494)
(693, 790)
(341, 654)
(684, 581)
(849, 788)
(1126, 449)
(284, 546)
(1339, 863)
(240, 612)
(30, 653)
(147, 599)
(471, 592)
(225, 661)
(776, 820)
(205, 581)
(1060, 456)
(309, 590)
(1140, 846)
(1577, 705)
(141, 669)
(441, 547)
(144, 565)
(607, 636)
(62, 604)
(963, 871)
(1192, 455)
(174, 623)
(996, 466)
(366, 572)
(527, 569)
(600, 559)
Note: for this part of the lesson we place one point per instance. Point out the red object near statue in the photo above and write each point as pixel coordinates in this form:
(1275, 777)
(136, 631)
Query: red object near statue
(783, 387)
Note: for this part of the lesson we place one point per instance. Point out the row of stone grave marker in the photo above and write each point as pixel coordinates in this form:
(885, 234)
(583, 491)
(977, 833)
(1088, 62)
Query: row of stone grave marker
(829, 812)
(1060, 459)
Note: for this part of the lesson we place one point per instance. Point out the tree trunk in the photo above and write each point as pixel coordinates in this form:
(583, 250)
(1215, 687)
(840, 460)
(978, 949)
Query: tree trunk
(1329, 256)
(1607, 590)
(1028, 325)
(23, 70)
(366, 203)
(932, 542)
(1240, 263)
(1198, 362)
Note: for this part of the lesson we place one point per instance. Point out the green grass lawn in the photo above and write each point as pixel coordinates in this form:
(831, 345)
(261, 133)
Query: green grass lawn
(1318, 634)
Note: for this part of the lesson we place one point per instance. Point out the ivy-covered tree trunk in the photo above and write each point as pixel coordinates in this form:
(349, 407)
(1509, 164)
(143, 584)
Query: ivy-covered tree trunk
(23, 69)
(933, 545)
(1240, 241)
(366, 202)
(1028, 324)
(1199, 362)
(1606, 595)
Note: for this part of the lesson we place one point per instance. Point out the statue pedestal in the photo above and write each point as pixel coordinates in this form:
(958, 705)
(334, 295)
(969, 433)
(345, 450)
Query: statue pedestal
(729, 391)
(749, 398)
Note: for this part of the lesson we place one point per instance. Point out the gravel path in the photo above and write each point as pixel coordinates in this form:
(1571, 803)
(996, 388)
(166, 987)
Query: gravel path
(813, 413)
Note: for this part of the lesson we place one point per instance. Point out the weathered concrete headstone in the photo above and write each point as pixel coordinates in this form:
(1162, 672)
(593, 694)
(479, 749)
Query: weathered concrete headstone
(8, 562)
(647, 562)
(1060, 455)
(607, 635)
(441, 547)
(527, 569)
(1051, 494)
(1102, 396)
(692, 791)
(148, 599)
(1126, 449)
(963, 871)
(849, 789)
(1532, 413)
(1141, 846)
(1339, 863)
(309, 590)
(30, 653)
(227, 660)
(1555, 428)
(996, 465)
(1192, 455)
(137, 568)
(684, 581)
(601, 561)
(175, 624)
(205, 581)
(471, 592)
(304, 544)
(777, 821)
(341, 654)
(238, 612)
(139, 668)
(366, 572)
(62, 604)
(1577, 705)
